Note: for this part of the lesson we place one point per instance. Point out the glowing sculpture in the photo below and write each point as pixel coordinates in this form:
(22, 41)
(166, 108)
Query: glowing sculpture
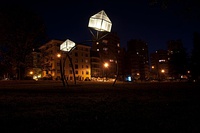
(100, 22)
(67, 45)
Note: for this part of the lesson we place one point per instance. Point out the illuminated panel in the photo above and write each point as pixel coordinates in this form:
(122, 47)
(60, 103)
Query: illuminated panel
(100, 22)
(67, 45)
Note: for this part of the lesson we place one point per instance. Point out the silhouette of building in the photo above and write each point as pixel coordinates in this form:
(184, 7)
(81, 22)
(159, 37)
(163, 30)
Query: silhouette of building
(137, 59)
(109, 50)
(159, 65)
(177, 59)
(33, 62)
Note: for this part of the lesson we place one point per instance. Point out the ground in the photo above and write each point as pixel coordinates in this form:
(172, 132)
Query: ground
(97, 107)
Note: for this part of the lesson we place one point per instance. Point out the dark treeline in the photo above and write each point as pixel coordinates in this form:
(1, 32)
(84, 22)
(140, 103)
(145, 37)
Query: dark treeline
(21, 30)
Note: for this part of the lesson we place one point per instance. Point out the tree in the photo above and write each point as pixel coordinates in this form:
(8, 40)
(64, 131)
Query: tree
(21, 30)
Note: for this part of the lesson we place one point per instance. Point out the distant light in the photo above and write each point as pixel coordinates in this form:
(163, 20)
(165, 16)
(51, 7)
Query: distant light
(58, 55)
(67, 45)
(129, 78)
(162, 60)
(162, 71)
(100, 22)
(31, 72)
(152, 67)
(106, 65)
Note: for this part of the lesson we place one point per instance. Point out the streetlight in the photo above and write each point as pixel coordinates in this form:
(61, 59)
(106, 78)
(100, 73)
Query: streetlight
(31, 72)
(162, 71)
(106, 65)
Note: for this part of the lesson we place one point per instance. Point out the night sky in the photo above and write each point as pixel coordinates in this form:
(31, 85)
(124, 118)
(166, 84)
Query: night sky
(131, 20)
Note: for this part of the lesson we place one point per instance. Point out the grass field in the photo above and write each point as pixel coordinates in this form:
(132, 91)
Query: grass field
(91, 107)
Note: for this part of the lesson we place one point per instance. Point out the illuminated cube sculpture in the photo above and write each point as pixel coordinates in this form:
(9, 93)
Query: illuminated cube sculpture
(67, 45)
(100, 22)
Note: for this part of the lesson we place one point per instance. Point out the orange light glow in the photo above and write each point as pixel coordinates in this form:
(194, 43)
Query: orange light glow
(106, 65)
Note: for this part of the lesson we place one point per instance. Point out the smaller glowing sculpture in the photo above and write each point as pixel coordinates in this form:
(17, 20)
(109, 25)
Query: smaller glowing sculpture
(67, 45)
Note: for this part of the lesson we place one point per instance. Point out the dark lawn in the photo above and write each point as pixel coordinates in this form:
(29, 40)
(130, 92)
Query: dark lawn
(27, 106)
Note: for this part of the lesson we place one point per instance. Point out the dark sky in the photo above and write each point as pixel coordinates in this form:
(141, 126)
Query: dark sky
(131, 20)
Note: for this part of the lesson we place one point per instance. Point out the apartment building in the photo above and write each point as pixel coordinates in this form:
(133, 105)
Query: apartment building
(50, 61)
(159, 64)
(109, 50)
(137, 56)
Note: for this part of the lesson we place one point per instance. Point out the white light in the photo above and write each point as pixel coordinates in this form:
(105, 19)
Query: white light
(67, 45)
(100, 22)
(129, 78)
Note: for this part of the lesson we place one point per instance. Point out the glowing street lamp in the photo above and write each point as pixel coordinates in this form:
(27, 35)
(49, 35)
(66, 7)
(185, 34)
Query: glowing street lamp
(58, 55)
(162, 71)
(106, 65)
(31, 72)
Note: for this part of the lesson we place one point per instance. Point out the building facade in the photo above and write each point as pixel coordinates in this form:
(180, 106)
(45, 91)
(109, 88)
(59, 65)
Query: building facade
(109, 51)
(137, 60)
(159, 65)
(50, 61)
(177, 59)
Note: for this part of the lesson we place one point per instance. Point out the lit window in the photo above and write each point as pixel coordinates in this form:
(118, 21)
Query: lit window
(161, 60)
(111, 60)
(105, 41)
(105, 49)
